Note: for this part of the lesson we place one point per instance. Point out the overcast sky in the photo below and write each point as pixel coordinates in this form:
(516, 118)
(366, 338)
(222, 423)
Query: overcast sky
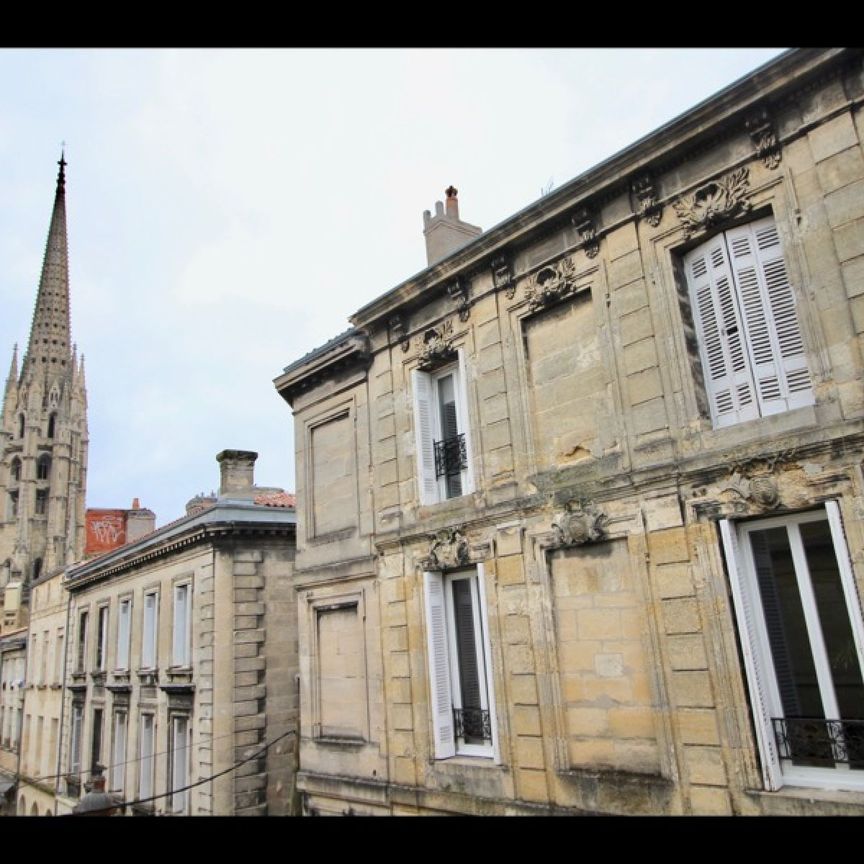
(228, 210)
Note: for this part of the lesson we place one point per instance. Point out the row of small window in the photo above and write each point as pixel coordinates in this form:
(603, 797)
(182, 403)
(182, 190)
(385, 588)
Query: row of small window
(40, 652)
(181, 633)
(40, 507)
(750, 347)
(800, 622)
(50, 431)
(43, 468)
(10, 727)
(121, 768)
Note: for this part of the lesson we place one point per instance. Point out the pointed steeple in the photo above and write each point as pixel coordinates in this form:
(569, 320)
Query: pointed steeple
(13, 369)
(49, 346)
(10, 394)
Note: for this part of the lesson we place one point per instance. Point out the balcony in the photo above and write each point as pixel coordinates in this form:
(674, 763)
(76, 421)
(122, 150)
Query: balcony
(820, 743)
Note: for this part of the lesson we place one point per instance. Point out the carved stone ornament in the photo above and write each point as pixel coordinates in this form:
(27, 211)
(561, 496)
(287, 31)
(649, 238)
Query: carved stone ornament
(759, 492)
(647, 206)
(579, 523)
(502, 276)
(712, 203)
(550, 284)
(398, 331)
(448, 550)
(435, 347)
(764, 139)
(458, 291)
(583, 222)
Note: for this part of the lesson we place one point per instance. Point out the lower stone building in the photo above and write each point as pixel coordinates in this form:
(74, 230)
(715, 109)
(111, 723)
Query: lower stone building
(182, 660)
(13, 665)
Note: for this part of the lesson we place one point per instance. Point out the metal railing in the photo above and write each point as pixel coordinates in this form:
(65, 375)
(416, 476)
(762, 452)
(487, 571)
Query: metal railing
(818, 742)
(472, 725)
(450, 456)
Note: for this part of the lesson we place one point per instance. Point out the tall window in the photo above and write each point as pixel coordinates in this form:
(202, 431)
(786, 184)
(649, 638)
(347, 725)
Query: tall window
(75, 738)
(15, 470)
(459, 670)
(118, 754)
(124, 617)
(800, 622)
(52, 425)
(146, 762)
(43, 467)
(41, 502)
(178, 764)
(101, 638)
(12, 507)
(96, 740)
(443, 448)
(148, 638)
(747, 326)
(81, 654)
(182, 622)
(43, 672)
(58, 658)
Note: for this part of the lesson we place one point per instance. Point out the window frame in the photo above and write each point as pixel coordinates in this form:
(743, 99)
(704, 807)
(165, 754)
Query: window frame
(761, 676)
(81, 646)
(181, 659)
(744, 352)
(443, 667)
(123, 644)
(426, 401)
(178, 779)
(150, 635)
(119, 735)
(146, 763)
(103, 622)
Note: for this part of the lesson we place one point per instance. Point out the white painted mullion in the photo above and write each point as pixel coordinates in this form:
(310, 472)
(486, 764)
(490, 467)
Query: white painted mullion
(814, 626)
(847, 578)
(761, 678)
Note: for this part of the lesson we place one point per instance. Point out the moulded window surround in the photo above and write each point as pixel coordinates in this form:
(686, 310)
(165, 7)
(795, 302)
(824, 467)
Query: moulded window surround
(178, 763)
(101, 638)
(182, 625)
(118, 752)
(75, 738)
(15, 470)
(443, 441)
(744, 312)
(146, 752)
(43, 467)
(460, 674)
(81, 654)
(96, 740)
(149, 642)
(41, 502)
(12, 507)
(124, 620)
(802, 636)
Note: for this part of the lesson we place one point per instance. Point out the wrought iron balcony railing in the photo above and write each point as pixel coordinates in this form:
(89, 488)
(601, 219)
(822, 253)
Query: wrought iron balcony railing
(473, 725)
(820, 743)
(450, 456)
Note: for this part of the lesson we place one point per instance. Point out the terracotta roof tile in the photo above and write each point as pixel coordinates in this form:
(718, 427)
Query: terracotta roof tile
(276, 499)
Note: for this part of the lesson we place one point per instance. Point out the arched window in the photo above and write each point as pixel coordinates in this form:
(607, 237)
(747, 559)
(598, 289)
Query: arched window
(37, 568)
(20, 425)
(52, 422)
(15, 470)
(43, 467)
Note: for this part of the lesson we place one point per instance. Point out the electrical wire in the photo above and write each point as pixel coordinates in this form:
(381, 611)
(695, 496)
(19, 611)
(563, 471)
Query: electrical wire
(210, 779)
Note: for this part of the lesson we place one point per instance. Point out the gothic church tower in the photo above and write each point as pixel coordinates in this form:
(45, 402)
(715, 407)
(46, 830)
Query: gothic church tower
(43, 437)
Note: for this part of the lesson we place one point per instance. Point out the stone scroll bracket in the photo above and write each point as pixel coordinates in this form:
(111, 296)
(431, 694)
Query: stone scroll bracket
(764, 137)
(584, 222)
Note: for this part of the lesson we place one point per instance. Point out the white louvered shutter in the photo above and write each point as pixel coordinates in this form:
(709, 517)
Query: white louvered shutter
(728, 380)
(771, 322)
(424, 431)
(440, 698)
(746, 613)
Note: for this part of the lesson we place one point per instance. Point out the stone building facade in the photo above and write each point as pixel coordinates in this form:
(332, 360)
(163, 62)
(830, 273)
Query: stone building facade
(43, 445)
(13, 663)
(580, 505)
(182, 660)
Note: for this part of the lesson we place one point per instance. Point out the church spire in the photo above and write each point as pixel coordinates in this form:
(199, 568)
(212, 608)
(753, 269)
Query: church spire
(49, 345)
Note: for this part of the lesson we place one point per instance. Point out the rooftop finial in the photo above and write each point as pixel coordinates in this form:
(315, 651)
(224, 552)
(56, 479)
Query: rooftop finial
(61, 177)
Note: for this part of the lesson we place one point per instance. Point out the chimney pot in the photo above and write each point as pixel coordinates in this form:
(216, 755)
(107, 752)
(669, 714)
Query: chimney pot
(237, 469)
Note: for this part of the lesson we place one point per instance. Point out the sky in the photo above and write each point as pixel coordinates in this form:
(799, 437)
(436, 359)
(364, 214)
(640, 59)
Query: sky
(228, 210)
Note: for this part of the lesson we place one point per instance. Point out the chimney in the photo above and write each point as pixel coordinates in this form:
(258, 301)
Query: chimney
(238, 470)
(445, 232)
(139, 521)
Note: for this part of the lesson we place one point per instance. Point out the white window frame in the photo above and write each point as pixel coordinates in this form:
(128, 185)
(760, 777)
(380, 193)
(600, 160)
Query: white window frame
(124, 634)
(76, 738)
(428, 428)
(103, 621)
(118, 751)
(761, 676)
(150, 631)
(745, 312)
(146, 756)
(445, 694)
(180, 730)
(182, 626)
(81, 642)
